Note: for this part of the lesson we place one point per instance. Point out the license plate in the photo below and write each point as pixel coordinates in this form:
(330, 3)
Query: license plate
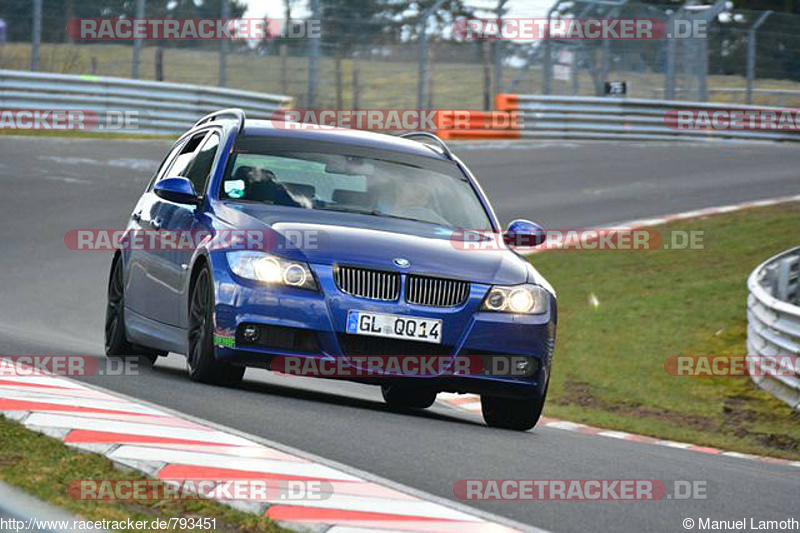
(394, 326)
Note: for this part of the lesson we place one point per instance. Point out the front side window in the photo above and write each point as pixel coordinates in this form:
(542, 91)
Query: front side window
(356, 184)
(184, 159)
(200, 168)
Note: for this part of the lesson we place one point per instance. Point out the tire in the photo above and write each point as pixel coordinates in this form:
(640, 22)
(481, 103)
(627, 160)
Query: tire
(202, 364)
(512, 413)
(403, 398)
(116, 341)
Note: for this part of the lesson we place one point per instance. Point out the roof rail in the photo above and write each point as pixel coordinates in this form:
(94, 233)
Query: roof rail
(431, 137)
(233, 113)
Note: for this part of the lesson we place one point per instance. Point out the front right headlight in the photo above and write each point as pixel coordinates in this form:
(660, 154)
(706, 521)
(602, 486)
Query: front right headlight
(268, 268)
(520, 299)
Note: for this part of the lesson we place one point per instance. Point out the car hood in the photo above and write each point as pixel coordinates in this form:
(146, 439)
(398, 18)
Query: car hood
(375, 242)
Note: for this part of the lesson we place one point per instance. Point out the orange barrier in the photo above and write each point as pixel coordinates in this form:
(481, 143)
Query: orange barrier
(503, 123)
(506, 102)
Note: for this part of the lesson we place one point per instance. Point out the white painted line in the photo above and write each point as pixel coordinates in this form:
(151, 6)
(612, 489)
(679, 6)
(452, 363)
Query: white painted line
(112, 426)
(673, 444)
(94, 403)
(209, 460)
(615, 434)
(565, 425)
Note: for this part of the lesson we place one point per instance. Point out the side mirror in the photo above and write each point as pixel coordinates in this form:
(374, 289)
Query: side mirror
(178, 190)
(524, 234)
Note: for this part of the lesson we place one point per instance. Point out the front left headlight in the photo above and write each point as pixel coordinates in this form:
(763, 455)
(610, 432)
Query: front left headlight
(519, 299)
(268, 268)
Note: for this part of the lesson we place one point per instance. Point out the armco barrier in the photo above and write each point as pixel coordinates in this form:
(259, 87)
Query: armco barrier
(581, 117)
(161, 108)
(773, 321)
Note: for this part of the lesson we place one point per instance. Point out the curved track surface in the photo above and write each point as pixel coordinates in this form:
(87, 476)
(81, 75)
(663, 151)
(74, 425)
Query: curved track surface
(53, 303)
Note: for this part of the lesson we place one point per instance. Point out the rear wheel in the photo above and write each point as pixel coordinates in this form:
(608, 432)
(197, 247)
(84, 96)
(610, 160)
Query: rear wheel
(203, 365)
(116, 341)
(512, 413)
(405, 397)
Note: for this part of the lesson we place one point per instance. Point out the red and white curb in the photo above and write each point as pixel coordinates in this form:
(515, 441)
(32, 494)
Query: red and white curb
(472, 403)
(705, 212)
(170, 446)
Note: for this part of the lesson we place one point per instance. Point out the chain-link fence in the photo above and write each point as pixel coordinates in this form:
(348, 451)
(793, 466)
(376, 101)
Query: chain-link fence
(367, 58)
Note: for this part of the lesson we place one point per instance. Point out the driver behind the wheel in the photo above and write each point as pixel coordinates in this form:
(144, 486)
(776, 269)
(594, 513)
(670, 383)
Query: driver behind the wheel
(261, 185)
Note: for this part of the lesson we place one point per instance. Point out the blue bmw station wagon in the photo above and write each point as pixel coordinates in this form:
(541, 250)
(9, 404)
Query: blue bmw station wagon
(362, 260)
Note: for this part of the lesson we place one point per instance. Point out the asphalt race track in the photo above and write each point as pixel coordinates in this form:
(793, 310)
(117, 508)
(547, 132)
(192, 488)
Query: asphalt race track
(53, 303)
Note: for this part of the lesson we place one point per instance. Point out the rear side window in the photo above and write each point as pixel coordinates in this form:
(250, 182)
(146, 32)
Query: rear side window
(200, 168)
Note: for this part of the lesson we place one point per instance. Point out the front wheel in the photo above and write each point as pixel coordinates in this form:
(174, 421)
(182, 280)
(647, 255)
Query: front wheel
(116, 341)
(404, 397)
(512, 413)
(203, 365)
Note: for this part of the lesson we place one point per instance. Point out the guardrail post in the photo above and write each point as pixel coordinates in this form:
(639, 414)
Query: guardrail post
(782, 288)
(36, 41)
(751, 54)
(137, 44)
(223, 46)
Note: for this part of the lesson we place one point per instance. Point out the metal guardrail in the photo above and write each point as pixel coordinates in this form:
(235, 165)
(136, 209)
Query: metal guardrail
(583, 117)
(160, 107)
(773, 322)
(739, 95)
(21, 512)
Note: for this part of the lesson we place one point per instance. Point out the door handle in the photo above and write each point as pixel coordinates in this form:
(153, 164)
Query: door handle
(156, 223)
(137, 216)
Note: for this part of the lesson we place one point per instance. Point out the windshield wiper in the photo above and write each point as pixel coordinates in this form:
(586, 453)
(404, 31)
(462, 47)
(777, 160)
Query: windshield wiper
(378, 213)
(357, 210)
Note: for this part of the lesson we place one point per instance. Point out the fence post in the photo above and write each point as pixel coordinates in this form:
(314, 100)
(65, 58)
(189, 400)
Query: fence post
(669, 75)
(702, 74)
(36, 41)
(312, 60)
(423, 53)
(356, 87)
(547, 60)
(137, 44)
(224, 45)
(284, 80)
(751, 54)
(498, 48)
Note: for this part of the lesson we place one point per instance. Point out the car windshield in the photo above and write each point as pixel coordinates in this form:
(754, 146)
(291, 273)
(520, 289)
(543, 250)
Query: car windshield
(357, 184)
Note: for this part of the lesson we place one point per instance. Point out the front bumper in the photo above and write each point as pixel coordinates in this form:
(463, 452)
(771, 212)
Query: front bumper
(318, 319)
